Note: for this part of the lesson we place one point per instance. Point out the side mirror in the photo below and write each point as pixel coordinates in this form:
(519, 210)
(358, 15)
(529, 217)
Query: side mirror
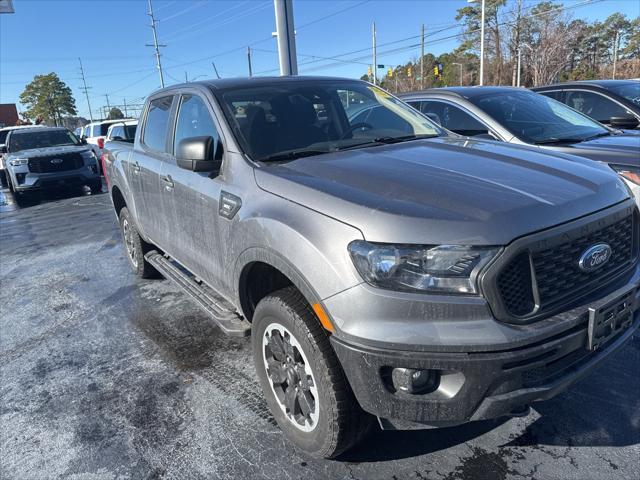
(3, 148)
(485, 136)
(199, 154)
(83, 140)
(434, 117)
(626, 121)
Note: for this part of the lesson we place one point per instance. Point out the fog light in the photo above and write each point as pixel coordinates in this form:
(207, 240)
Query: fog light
(415, 381)
(20, 177)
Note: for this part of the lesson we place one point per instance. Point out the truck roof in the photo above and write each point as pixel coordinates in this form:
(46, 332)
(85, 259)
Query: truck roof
(242, 82)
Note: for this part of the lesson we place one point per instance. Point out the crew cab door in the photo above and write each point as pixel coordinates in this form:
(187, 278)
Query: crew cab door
(144, 169)
(191, 198)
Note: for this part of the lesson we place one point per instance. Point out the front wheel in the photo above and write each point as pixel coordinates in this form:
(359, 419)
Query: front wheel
(303, 382)
(135, 247)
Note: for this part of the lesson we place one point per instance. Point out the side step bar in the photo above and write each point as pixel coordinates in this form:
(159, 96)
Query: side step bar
(219, 309)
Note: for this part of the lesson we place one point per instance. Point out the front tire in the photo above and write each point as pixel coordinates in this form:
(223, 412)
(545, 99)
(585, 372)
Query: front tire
(96, 188)
(135, 247)
(303, 382)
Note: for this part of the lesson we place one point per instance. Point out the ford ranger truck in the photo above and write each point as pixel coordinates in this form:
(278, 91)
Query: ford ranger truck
(45, 158)
(388, 271)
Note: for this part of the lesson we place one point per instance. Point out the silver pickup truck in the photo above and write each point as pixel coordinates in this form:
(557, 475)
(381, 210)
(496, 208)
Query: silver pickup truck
(386, 269)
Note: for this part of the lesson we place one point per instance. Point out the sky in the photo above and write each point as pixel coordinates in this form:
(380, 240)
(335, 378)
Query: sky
(110, 37)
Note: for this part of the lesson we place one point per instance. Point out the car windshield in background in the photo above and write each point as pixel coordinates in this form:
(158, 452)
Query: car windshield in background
(538, 119)
(630, 91)
(296, 119)
(41, 139)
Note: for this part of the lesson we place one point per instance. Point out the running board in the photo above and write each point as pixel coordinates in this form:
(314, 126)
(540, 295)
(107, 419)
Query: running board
(218, 309)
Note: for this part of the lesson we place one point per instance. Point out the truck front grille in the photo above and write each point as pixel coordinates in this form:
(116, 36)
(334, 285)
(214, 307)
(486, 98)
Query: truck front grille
(556, 278)
(56, 163)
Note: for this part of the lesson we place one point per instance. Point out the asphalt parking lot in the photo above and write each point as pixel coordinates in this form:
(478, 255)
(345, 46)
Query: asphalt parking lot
(104, 376)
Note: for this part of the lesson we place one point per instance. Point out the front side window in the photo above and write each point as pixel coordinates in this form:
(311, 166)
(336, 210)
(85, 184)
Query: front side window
(27, 140)
(318, 117)
(117, 132)
(595, 105)
(157, 123)
(537, 119)
(194, 120)
(453, 118)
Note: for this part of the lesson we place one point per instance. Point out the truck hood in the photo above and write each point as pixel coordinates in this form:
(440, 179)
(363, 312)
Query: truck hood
(48, 151)
(618, 149)
(446, 190)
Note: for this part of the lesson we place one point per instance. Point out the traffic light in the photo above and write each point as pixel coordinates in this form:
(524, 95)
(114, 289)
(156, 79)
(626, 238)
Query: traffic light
(369, 71)
(409, 72)
(438, 70)
(390, 72)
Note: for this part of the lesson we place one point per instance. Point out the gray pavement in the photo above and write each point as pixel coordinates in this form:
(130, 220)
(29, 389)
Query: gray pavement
(103, 376)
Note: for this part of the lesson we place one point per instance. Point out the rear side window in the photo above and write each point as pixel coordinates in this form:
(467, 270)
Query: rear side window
(103, 128)
(3, 136)
(155, 129)
(194, 120)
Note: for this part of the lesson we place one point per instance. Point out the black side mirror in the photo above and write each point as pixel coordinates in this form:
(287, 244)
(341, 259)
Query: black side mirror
(3, 149)
(434, 117)
(83, 140)
(625, 121)
(485, 136)
(199, 154)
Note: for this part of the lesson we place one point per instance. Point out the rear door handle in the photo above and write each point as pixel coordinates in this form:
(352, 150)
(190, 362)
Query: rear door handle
(136, 167)
(168, 182)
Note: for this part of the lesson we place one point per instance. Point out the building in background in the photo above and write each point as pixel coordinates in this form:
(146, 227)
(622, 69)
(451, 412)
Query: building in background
(8, 115)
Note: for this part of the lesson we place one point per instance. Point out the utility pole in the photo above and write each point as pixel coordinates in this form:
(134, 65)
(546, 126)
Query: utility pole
(215, 69)
(156, 45)
(85, 89)
(375, 58)
(186, 79)
(249, 60)
(422, 58)
(516, 74)
(286, 37)
(108, 106)
(615, 53)
(481, 46)
(124, 103)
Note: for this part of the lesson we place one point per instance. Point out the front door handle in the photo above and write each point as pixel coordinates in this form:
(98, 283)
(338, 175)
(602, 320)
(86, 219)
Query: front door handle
(136, 167)
(168, 182)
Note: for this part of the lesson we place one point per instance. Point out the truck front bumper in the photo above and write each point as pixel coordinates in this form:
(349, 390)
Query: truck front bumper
(28, 182)
(482, 383)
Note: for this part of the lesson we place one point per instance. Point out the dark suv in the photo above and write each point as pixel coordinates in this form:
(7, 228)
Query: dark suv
(611, 102)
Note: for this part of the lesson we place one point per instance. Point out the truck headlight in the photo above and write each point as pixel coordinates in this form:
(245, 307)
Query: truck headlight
(630, 173)
(16, 162)
(443, 268)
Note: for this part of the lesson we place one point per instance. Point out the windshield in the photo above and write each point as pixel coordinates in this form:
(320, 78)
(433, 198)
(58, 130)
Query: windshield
(41, 139)
(292, 119)
(536, 118)
(630, 91)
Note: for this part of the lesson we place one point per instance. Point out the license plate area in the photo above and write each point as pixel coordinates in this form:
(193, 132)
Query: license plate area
(608, 320)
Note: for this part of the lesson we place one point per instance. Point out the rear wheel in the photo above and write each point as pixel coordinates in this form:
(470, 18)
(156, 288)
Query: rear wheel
(135, 247)
(302, 380)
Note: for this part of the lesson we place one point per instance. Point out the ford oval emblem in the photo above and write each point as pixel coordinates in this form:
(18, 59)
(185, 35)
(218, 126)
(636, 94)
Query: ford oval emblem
(595, 257)
(57, 160)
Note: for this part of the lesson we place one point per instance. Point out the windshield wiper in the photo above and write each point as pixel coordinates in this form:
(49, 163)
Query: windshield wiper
(292, 155)
(597, 135)
(552, 141)
(404, 138)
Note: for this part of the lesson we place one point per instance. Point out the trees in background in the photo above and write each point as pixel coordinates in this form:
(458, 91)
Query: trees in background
(48, 98)
(115, 113)
(553, 47)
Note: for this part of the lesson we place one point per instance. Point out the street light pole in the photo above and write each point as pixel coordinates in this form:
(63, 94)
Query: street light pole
(375, 58)
(286, 37)
(481, 39)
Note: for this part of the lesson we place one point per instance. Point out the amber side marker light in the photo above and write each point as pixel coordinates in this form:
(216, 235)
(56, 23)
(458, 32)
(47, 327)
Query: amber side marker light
(323, 317)
(630, 173)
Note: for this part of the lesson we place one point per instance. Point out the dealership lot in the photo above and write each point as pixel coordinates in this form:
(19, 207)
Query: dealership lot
(105, 376)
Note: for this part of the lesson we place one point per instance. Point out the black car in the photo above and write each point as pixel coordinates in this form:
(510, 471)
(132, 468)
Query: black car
(522, 117)
(611, 102)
